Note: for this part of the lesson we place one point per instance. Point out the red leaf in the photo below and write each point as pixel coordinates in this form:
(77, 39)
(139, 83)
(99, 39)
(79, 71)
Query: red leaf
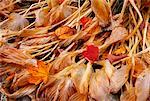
(84, 21)
(91, 53)
(112, 58)
(60, 1)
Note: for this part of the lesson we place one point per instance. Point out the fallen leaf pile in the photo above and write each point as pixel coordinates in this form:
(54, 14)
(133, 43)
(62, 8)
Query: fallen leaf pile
(74, 50)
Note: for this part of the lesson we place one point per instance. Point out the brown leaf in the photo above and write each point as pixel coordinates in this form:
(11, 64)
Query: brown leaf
(101, 10)
(118, 34)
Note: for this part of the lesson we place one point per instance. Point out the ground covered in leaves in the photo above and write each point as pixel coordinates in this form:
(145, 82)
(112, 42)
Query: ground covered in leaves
(74, 50)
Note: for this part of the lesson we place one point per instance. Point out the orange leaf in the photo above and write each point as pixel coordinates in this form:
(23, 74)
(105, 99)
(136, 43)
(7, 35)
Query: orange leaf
(39, 74)
(64, 32)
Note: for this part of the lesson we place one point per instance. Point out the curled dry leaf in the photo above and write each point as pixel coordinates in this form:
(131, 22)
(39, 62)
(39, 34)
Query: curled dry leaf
(101, 10)
(118, 34)
(99, 86)
(85, 79)
(15, 22)
(142, 86)
(39, 74)
(64, 32)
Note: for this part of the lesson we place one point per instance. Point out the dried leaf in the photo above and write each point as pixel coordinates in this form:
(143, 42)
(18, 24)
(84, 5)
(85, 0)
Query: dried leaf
(38, 74)
(83, 87)
(64, 32)
(99, 86)
(118, 34)
(58, 14)
(101, 10)
(41, 17)
(120, 76)
(109, 68)
(80, 77)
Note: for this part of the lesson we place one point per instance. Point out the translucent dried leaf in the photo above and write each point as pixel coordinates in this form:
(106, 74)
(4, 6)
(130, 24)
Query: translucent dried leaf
(99, 86)
(58, 14)
(80, 77)
(109, 68)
